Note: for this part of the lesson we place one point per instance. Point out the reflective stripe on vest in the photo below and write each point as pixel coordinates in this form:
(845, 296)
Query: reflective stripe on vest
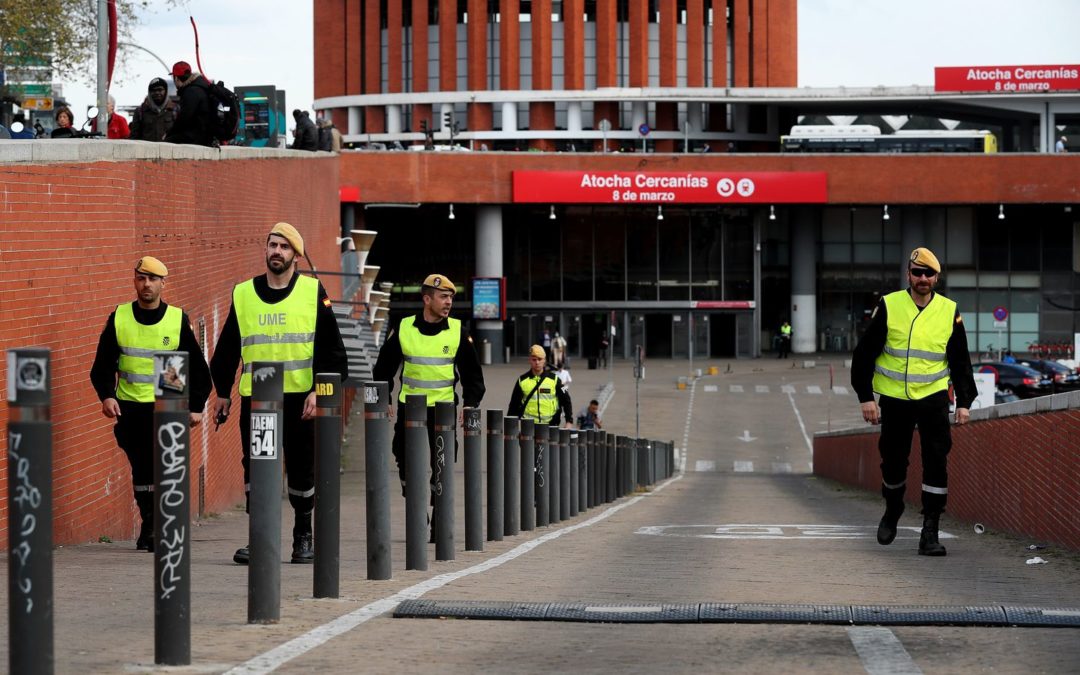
(429, 361)
(544, 404)
(137, 343)
(282, 332)
(913, 363)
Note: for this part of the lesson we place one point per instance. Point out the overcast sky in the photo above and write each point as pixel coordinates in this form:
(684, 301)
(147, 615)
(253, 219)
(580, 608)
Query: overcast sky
(841, 42)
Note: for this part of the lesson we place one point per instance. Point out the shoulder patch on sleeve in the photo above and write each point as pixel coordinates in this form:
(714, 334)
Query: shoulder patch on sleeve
(326, 302)
(959, 319)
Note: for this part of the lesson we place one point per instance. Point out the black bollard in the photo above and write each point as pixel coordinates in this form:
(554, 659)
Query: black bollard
(602, 469)
(511, 476)
(495, 475)
(417, 486)
(540, 450)
(591, 470)
(29, 502)
(474, 484)
(172, 510)
(528, 483)
(575, 472)
(620, 466)
(264, 524)
(611, 489)
(327, 485)
(443, 483)
(588, 439)
(566, 437)
(377, 479)
(555, 442)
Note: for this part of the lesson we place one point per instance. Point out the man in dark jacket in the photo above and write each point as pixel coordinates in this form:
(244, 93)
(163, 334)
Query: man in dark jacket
(192, 125)
(154, 118)
(307, 136)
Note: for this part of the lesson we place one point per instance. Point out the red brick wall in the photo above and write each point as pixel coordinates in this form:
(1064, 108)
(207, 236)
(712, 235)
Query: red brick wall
(1019, 474)
(70, 234)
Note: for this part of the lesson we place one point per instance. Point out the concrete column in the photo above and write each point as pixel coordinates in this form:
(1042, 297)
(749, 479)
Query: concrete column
(509, 116)
(694, 116)
(489, 263)
(354, 120)
(573, 116)
(638, 114)
(393, 119)
(804, 227)
(912, 236)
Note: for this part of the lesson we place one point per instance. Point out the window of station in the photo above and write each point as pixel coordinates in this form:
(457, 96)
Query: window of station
(575, 224)
(674, 255)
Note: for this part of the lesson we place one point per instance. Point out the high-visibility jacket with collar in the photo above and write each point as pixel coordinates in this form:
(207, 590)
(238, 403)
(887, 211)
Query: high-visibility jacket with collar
(913, 363)
(283, 331)
(543, 405)
(429, 360)
(785, 329)
(137, 343)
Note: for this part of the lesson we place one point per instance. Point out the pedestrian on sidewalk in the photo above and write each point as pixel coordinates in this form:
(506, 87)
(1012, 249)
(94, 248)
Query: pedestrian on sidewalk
(433, 351)
(785, 340)
(590, 416)
(558, 351)
(123, 377)
(287, 317)
(914, 344)
(539, 394)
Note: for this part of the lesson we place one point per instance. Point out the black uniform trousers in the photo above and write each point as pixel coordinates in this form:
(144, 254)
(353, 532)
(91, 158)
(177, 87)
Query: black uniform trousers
(899, 417)
(134, 432)
(298, 440)
(398, 448)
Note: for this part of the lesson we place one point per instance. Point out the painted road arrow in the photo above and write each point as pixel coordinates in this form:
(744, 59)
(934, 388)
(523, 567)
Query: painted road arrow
(746, 437)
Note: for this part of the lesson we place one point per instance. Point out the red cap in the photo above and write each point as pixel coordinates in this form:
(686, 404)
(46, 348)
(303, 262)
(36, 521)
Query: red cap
(181, 69)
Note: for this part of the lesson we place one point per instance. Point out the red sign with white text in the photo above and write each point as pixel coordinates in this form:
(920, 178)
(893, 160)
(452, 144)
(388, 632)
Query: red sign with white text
(1007, 78)
(674, 187)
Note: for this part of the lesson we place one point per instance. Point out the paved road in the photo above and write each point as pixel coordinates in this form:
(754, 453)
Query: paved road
(745, 523)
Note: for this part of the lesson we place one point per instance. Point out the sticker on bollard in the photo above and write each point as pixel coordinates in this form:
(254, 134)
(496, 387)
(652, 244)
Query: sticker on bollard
(327, 525)
(264, 435)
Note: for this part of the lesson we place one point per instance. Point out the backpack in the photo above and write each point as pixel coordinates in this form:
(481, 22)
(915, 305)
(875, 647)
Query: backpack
(326, 139)
(224, 111)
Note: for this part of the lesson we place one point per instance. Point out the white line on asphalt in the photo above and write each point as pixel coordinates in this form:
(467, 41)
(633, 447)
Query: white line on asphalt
(809, 445)
(680, 459)
(270, 661)
(781, 467)
(761, 388)
(788, 389)
(609, 390)
(813, 389)
(881, 652)
(735, 389)
(744, 467)
(704, 465)
(840, 389)
(711, 389)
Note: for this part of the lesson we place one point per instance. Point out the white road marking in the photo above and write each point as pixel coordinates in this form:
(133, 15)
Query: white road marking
(839, 389)
(813, 389)
(744, 467)
(880, 651)
(778, 532)
(787, 389)
(781, 467)
(711, 389)
(746, 437)
(273, 659)
(735, 389)
(761, 388)
(704, 465)
(806, 437)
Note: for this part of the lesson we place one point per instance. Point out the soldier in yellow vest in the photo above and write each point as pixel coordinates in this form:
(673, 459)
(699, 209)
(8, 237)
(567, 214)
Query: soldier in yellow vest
(914, 345)
(539, 394)
(123, 377)
(433, 351)
(281, 316)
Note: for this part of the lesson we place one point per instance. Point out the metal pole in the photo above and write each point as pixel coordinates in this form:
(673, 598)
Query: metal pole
(172, 510)
(528, 472)
(620, 466)
(594, 467)
(443, 513)
(540, 445)
(511, 476)
(327, 485)
(264, 524)
(574, 468)
(474, 482)
(555, 472)
(377, 479)
(565, 438)
(494, 475)
(29, 503)
(417, 486)
(612, 467)
(103, 66)
(585, 485)
(602, 454)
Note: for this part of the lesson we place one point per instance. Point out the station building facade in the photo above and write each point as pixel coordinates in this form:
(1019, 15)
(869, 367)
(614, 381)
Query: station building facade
(546, 92)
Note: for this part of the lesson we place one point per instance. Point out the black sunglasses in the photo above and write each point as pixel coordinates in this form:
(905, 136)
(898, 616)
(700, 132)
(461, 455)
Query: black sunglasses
(922, 272)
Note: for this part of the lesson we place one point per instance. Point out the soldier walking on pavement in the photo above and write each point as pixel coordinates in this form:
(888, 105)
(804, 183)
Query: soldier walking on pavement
(281, 316)
(539, 394)
(914, 344)
(433, 351)
(123, 377)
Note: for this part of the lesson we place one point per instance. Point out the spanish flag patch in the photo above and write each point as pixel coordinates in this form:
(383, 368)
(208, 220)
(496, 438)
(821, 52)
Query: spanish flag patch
(326, 302)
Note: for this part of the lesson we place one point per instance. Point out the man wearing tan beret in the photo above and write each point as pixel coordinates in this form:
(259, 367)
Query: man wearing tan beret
(915, 344)
(123, 377)
(539, 394)
(283, 316)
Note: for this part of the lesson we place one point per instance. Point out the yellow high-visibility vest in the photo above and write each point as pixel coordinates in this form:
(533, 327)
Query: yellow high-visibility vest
(913, 364)
(429, 361)
(283, 331)
(137, 343)
(544, 404)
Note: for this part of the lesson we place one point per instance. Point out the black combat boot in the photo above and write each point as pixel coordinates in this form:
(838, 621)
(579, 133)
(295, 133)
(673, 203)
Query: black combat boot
(886, 529)
(303, 546)
(928, 541)
(145, 502)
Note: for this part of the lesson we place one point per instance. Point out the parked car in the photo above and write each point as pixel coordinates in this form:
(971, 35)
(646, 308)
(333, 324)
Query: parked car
(1063, 378)
(1021, 380)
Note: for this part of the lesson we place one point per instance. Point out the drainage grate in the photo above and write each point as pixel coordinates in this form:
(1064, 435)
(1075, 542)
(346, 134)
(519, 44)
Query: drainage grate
(1042, 616)
(470, 609)
(713, 612)
(620, 612)
(927, 615)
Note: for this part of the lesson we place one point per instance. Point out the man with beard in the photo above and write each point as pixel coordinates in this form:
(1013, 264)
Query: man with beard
(281, 316)
(914, 344)
(133, 332)
(154, 118)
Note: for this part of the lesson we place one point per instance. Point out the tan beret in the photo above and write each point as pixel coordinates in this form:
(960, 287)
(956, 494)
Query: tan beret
(291, 235)
(537, 351)
(440, 282)
(922, 257)
(151, 265)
